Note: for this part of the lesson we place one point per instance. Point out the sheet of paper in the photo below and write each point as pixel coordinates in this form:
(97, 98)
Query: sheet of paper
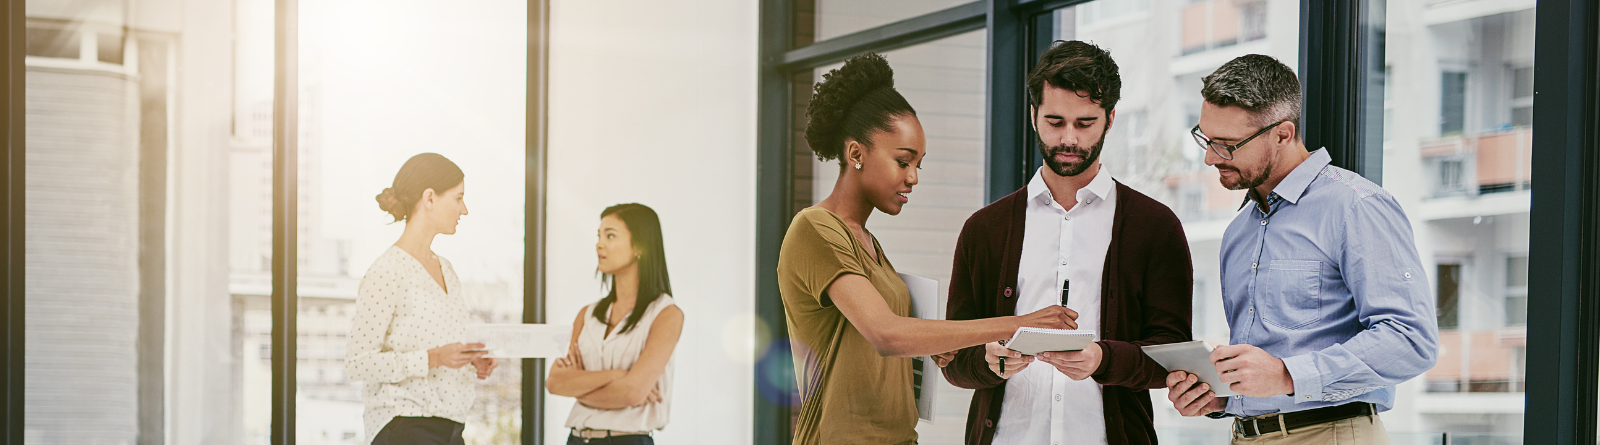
(925, 376)
(1032, 341)
(521, 340)
(1193, 357)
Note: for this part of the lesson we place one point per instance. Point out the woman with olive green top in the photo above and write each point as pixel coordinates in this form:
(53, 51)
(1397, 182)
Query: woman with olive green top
(847, 310)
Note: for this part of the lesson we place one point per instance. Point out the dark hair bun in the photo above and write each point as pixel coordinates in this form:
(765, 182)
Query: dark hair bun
(840, 91)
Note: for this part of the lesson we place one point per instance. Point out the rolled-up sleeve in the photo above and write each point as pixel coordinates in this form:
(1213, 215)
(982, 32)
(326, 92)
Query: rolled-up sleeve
(1400, 336)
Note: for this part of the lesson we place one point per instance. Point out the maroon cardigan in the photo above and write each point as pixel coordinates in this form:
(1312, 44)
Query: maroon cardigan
(1146, 299)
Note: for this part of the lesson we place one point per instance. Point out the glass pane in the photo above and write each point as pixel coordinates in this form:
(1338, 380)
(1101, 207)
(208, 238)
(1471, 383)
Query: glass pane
(137, 330)
(367, 106)
(943, 81)
(1460, 87)
(1162, 49)
(832, 18)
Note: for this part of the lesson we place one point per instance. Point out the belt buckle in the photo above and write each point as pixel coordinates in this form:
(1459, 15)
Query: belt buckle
(1252, 429)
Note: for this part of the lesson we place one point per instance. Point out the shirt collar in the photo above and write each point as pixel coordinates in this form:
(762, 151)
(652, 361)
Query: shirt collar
(1099, 187)
(1294, 185)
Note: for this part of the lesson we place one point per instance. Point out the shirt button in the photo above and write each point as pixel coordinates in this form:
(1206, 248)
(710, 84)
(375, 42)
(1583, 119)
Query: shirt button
(1252, 309)
(1408, 274)
(1058, 397)
(1263, 222)
(1252, 265)
(1063, 262)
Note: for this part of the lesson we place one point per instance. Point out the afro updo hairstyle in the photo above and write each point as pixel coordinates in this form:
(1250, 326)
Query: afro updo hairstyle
(851, 103)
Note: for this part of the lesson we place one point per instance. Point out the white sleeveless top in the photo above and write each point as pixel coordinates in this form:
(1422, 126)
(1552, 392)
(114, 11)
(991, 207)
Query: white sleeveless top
(620, 351)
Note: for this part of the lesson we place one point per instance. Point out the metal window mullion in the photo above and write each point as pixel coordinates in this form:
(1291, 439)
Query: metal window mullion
(1563, 255)
(12, 187)
(1005, 91)
(533, 291)
(1336, 65)
(285, 192)
(774, 198)
(920, 29)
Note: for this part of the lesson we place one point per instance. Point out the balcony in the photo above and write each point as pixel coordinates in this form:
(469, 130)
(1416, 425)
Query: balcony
(1212, 24)
(1487, 361)
(1472, 165)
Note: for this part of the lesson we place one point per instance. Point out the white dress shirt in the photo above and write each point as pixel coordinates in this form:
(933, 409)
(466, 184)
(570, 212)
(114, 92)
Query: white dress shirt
(401, 313)
(621, 350)
(1041, 405)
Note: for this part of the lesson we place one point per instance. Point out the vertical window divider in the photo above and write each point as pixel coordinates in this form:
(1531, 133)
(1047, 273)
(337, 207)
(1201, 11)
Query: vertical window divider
(1340, 65)
(1005, 131)
(285, 207)
(1564, 227)
(533, 289)
(12, 188)
(774, 201)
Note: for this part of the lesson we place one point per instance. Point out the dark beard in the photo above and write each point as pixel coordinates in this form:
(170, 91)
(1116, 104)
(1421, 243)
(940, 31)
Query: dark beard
(1076, 168)
(1251, 181)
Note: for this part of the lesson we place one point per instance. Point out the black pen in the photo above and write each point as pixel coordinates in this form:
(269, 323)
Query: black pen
(1066, 284)
(1003, 360)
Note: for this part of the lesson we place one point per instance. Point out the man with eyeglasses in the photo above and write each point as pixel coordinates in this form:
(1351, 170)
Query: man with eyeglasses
(1074, 237)
(1325, 294)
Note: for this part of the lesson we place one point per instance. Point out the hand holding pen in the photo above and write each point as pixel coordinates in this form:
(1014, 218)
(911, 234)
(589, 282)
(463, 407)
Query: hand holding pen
(998, 355)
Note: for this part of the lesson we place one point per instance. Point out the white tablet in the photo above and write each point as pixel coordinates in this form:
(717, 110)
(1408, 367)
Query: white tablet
(1193, 357)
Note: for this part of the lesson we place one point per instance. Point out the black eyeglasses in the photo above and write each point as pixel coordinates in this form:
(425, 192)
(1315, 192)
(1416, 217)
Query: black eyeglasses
(1221, 149)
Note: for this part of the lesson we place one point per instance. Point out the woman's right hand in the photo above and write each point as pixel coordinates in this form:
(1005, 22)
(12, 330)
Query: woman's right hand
(455, 355)
(1015, 361)
(1051, 317)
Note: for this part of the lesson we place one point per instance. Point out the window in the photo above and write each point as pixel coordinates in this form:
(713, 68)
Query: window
(1449, 292)
(1460, 75)
(1517, 291)
(366, 106)
(1452, 103)
(835, 18)
(1521, 96)
(150, 179)
(1211, 24)
(1253, 20)
(128, 298)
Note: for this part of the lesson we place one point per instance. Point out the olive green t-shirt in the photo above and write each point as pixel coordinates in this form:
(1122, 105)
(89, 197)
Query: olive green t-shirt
(849, 394)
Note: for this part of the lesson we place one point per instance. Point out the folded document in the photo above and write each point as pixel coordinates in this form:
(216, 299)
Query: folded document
(521, 340)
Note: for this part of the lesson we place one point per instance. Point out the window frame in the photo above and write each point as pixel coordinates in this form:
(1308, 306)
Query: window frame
(284, 297)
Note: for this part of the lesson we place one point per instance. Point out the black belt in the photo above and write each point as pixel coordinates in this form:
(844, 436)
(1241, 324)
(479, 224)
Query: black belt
(1271, 423)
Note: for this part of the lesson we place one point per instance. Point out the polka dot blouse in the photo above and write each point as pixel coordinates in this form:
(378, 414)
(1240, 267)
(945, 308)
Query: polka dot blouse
(401, 313)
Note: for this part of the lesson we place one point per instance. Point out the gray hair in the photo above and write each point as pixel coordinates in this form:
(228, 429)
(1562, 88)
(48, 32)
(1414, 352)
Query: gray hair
(1258, 84)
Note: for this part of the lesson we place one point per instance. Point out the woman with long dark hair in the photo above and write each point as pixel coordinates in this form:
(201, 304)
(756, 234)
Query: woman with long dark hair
(410, 316)
(619, 365)
(847, 309)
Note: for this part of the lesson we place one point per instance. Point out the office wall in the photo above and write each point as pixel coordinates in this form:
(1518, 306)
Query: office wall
(655, 102)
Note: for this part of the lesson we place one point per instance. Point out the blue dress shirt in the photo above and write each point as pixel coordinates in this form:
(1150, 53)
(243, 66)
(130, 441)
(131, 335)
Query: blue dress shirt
(1328, 280)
